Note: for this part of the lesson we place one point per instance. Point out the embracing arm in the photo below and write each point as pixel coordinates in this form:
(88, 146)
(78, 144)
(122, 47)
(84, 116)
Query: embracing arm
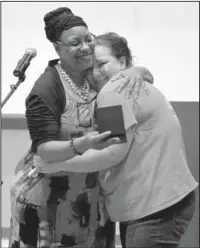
(55, 151)
(145, 73)
(92, 160)
(97, 160)
(44, 131)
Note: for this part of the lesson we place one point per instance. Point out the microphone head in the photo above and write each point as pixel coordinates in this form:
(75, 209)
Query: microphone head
(31, 51)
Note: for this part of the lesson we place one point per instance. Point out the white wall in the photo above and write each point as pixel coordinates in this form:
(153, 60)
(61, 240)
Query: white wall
(163, 35)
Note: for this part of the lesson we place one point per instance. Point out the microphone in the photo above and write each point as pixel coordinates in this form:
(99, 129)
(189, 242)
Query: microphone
(24, 62)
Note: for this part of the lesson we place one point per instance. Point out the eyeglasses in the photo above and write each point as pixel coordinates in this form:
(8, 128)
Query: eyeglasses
(89, 39)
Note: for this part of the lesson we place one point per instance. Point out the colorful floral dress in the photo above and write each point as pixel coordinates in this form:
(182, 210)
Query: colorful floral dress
(61, 210)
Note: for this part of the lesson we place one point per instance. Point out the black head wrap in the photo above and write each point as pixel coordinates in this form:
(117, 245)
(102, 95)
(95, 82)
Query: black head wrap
(59, 20)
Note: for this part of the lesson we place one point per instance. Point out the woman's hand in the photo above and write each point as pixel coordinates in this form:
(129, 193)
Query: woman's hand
(132, 79)
(95, 140)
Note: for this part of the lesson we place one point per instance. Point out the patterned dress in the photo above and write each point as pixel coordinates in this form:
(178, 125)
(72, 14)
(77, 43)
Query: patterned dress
(63, 209)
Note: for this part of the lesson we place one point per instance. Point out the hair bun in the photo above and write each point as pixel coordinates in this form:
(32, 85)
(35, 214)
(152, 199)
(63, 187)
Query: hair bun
(58, 20)
(51, 15)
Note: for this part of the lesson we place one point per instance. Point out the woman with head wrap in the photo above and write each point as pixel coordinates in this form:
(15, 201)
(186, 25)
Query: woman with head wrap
(146, 182)
(61, 209)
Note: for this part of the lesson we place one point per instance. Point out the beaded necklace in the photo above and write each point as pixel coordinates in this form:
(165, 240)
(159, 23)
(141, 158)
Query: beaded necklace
(83, 93)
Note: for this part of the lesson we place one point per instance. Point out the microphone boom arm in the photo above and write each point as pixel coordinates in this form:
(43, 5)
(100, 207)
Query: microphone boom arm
(13, 88)
(19, 71)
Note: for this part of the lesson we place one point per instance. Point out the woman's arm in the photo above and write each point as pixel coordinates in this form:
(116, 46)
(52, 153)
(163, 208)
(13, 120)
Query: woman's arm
(44, 131)
(92, 160)
(132, 77)
(57, 151)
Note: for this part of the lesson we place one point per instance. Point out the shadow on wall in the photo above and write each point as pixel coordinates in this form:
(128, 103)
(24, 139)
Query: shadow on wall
(188, 114)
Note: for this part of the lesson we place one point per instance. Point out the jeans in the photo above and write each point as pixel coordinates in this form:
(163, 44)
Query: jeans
(163, 229)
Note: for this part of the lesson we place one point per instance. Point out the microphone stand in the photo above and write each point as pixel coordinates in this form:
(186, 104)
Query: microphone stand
(13, 88)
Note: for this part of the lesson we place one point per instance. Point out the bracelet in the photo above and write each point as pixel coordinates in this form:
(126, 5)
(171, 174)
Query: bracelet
(72, 146)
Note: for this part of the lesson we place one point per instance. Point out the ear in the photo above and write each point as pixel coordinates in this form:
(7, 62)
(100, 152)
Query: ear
(122, 60)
